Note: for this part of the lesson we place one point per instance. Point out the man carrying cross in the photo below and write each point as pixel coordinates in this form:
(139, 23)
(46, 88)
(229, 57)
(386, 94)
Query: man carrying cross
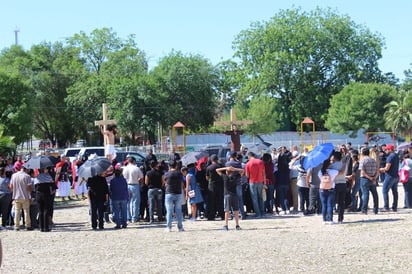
(109, 139)
(108, 129)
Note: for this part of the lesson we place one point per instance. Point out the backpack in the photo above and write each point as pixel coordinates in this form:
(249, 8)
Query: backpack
(326, 181)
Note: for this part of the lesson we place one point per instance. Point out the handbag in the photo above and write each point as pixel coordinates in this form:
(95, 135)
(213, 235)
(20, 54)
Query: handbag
(404, 173)
(191, 194)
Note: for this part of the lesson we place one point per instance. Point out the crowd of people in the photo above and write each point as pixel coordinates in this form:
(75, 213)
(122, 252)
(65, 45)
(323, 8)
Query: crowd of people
(245, 186)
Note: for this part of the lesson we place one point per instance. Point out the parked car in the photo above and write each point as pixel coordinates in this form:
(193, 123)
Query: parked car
(71, 153)
(222, 152)
(121, 157)
(99, 151)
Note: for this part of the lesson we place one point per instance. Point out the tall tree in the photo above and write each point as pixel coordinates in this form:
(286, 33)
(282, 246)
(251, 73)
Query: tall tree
(189, 83)
(303, 58)
(359, 106)
(398, 115)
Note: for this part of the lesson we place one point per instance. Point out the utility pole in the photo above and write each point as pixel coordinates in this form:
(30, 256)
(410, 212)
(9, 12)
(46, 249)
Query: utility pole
(16, 36)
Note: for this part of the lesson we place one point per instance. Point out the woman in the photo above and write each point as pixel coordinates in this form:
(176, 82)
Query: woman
(98, 192)
(45, 188)
(5, 198)
(174, 185)
(270, 182)
(193, 194)
(327, 191)
(355, 177)
(407, 187)
(119, 194)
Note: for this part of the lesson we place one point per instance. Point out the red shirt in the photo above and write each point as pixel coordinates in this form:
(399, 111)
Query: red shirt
(255, 170)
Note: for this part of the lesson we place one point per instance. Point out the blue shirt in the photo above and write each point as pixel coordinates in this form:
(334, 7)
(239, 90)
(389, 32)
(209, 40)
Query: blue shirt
(118, 189)
(4, 185)
(393, 159)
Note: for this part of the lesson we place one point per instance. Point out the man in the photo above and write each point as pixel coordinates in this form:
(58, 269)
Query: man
(294, 179)
(215, 201)
(21, 187)
(391, 178)
(109, 140)
(134, 176)
(234, 137)
(368, 175)
(255, 171)
(233, 162)
(174, 155)
(155, 181)
(313, 180)
(150, 157)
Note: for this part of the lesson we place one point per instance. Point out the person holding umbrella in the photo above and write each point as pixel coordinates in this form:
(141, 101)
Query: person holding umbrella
(98, 193)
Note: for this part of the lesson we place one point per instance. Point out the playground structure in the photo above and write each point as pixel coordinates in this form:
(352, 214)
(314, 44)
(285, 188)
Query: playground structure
(312, 133)
(178, 129)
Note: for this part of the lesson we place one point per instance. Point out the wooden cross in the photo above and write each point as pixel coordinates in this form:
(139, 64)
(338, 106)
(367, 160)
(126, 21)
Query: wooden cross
(233, 120)
(104, 122)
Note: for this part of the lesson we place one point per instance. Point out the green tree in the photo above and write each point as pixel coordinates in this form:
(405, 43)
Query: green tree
(359, 106)
(7, 146)
(398, 115)
(189, 83)
(302, 59)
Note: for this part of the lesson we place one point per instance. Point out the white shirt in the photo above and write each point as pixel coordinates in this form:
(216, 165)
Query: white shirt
(132, 174)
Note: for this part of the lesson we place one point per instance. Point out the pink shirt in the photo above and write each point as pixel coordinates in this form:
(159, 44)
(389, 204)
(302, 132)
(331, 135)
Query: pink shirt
(255, 169)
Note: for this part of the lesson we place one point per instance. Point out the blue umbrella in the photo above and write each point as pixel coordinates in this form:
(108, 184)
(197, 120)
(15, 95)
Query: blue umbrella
(319, 154)
(93, 167)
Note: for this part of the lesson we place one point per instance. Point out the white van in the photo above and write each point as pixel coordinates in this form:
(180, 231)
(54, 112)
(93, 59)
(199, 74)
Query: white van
(71, 153)
(87, 151)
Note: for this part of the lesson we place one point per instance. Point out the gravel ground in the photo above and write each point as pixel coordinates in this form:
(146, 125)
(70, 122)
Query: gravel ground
(370, 243)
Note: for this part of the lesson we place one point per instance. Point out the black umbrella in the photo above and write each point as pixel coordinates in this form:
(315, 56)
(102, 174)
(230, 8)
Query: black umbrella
(93, 167)
(193, 156)
(41, 162)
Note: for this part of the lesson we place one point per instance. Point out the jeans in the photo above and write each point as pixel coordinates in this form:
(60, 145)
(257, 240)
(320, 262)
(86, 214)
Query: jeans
(270, 192)
(303, 198)
(155, 195)
(257, 199)
(407, 187)
(174, 204)
(239, 193)
(314, 200)
(5, 200)
(354, 193)
(133, 205)
(282, 192)
(366, 186)
(390, 183)
(119, 208)
(327, 198)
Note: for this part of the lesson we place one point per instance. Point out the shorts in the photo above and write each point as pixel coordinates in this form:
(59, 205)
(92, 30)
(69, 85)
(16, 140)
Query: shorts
(110, 150)
(231, 202)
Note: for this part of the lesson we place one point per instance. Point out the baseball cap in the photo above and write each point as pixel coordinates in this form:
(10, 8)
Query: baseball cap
(389, 147)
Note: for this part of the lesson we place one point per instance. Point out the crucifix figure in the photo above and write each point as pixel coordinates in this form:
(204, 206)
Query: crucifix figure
(108, 129)
(234, 132)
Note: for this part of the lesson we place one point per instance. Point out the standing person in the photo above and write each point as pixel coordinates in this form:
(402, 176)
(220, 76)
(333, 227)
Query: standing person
(109, 136)
(174, 155)
(5, 198)
(327, 191)
(134, 177)
(368, 178)
(235, 162)
(391, 178)
(382, 162)
(302, 185)
(119, 194)
(356, 185)
(150, 157)
(174, 185)
(282, 176)
(45, 188)
(407, 187)
(234, 137)
(193, 194)
(294, 179)
(340, 164)
(270, 182)
(21, 187)
(98, 192)
(62, 178)
(230, 198)
(155, 181)
(79, 183)
(204, 188)
(17, 164)
(255, 171)
(215, 201)
(313, 180)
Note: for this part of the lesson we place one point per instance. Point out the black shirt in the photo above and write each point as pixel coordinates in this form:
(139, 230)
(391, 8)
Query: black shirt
(98, 188)
(229, 184)
(173, 182)
(214, 178)
(155, 178)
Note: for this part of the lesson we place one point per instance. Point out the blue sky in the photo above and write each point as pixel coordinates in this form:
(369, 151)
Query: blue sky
(207, 28)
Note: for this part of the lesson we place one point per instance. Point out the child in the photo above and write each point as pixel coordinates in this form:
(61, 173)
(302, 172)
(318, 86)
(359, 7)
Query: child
(230, 198)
